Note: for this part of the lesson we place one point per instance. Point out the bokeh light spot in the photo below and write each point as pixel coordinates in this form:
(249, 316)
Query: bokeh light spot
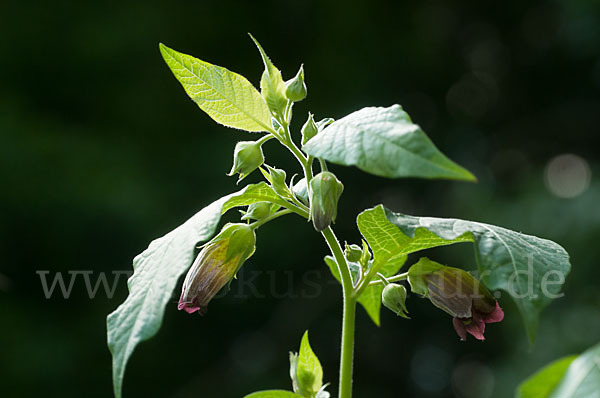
(567, 175)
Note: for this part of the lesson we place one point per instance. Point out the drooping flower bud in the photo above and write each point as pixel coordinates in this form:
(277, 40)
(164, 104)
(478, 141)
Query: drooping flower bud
(215, 266)
(393, 298)
(325, 191)
(459, 294)
(247, 157)
(259, 210)
(295, 88)
(309, 129)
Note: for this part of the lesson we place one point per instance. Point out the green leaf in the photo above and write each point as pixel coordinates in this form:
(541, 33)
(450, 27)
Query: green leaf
(228, 98)
(530, 269)
(541, 384)
(370, 298)
(156, 272)
(272, 86)
(273, 394)
(384, 142)
(582, 378)
(309, 373)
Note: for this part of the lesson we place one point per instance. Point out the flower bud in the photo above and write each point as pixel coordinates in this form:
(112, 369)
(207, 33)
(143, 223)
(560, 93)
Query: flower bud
(215, 266)
(277, 178)
(393, 298)
(458, 293)
(353, 252)
(310, 129)
(247, 157)
(259, 210)
(295, 88)
(300, 190)
(325, 191)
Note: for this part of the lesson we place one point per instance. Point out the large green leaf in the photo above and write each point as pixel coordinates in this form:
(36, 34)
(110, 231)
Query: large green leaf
(384, 142)
(568, 377)
(273, 394)
(530, 269)
(541, 384)
(227, 97)
(156, 271)
(582, 378)
(370, 298)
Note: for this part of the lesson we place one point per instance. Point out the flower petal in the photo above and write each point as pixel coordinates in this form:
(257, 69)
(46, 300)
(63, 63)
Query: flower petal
(459, 326)
(495, 316)
(476, 328)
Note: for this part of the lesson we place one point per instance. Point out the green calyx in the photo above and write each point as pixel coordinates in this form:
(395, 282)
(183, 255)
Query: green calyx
(258, 211)
(247, 157)
(325, 192)
(296, 88)
(393, 298)
(309, 129)
(276, 178)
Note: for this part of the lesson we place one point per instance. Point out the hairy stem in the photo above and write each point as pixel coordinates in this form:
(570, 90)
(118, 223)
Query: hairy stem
(349, 311)
(347, 353)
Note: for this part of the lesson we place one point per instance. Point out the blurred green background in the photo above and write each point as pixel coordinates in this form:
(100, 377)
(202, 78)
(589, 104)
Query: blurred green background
(101, 151)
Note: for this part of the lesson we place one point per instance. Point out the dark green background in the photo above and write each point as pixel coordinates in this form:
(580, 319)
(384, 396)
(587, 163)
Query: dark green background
(101, 151)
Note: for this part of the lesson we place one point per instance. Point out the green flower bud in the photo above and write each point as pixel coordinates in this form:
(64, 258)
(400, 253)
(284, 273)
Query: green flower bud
(216, 265)
(277, 179)
(295, 88)
(325, 191)
(247, 157)
(353, 252)
(300, 190)
(393, 298)
(259, 210)
(309, 130)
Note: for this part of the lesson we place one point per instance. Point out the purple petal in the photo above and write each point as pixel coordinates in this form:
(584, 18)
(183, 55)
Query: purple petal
(459, 326)
(476, 328)
(496, 315)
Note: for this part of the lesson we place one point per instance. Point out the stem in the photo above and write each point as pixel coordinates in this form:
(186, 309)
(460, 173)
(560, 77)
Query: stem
(347, 354)
(273, 216)
(395, 278)
(349, 314)
(265, 138)
(323, 164)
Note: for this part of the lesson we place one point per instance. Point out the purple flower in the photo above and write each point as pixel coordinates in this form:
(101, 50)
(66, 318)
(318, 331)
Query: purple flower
(459, 294)
(216, 265)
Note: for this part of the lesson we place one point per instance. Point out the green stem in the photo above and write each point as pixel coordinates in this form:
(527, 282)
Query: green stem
(273, 216)
(347, 354)
(323, 164)
(395, 278)
(265, 138)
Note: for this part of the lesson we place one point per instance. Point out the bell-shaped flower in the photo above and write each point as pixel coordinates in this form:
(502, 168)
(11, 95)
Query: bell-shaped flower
(216, 265)
(459, 294)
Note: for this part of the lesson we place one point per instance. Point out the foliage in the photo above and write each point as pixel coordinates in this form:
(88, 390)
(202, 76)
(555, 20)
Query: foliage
(380, 141)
